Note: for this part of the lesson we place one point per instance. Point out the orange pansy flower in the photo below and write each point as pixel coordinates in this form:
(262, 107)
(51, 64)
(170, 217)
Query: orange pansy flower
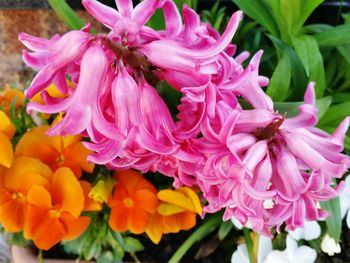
(176, 211)
(133, 201)
(8, 95)
(7, 130)
(17, 180)
(56, 151)
(53, 213)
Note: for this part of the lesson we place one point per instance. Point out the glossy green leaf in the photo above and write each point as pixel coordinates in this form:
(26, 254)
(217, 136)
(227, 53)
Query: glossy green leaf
(224, 229)
(299, 78)
(334, 221)
(132, 245)
(310, 55)
(335, 114)
(280, 80)
(258, 11)
(307, 7)
(339, 35)
(344, 50)
(66, 14)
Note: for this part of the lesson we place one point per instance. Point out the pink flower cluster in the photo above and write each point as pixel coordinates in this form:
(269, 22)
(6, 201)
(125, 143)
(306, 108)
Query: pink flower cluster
(262, 168)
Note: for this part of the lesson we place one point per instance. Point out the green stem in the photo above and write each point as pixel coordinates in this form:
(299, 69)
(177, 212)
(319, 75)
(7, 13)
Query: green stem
(41, 259)
(204, 230)
(249, 243)
(66, 14)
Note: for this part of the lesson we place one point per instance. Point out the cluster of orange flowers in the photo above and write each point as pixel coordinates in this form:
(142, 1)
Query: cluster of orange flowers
(41, 192)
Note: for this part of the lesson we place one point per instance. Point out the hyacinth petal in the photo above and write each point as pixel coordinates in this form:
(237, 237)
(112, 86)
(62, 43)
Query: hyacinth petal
(191, 21)
(173, 22)
(307, 112)
(144, 10)
(224, 40)
(102, 13)
(62, 54)
(254, 155)
(35, 60)
(312, 157)
(292, 181)
(251, 91)
(34, 43)
(125, 7)
(339, 134)
(79, 114)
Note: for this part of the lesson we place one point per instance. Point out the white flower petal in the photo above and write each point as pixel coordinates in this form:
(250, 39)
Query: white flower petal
(277, 256)
(265, 247)
(304, 254)
(312, 230)
(240, 255)
(329, 246)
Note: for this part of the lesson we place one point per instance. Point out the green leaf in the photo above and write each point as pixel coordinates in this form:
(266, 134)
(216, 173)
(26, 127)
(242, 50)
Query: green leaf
(291, 109)
(132, 245)
(258, 11)
(310, 55)
(157, 21)
(67, 14)
(307, 7)
(335, 114)
(224, 229)
(334, 221)
(299, 78)
(344, 50)
(280, 80)
(339, 35)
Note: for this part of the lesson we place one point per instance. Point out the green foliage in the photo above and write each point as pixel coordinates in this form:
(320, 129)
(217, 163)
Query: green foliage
(334, 222)
(101, 243)
(215, 15)
(65, 12)
(224, 229)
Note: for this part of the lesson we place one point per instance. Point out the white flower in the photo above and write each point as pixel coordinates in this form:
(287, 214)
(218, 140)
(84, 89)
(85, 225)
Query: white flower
(241, 254)
(345, 201)
(329, 245)
(292, 254)
(310, 231)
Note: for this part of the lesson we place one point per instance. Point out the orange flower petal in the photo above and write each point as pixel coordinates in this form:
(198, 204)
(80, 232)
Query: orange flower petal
(89, 204)
(39, 196)
(118, 219)
(6, 152)
(77, 153)
(25, 172)
(33, 219)
(118, 195)
(170, 225)
(6, 127)
(49, 233)
(154, 229)
(67, 192)
(137, 220)
(74, 226)
(12, 215)
(35, 143)
(186, 220)
(146, 200)
(129, 178)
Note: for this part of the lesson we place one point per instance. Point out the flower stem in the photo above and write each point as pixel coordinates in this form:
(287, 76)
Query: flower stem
(204, 230)
(250, 245)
